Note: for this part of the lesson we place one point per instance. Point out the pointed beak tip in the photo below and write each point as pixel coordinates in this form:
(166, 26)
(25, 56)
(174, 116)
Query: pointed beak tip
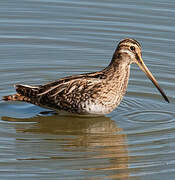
(144, 68)
(167, 100)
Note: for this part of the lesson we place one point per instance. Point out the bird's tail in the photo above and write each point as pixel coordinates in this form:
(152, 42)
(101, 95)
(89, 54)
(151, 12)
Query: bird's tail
(24, 93)
(16, 97)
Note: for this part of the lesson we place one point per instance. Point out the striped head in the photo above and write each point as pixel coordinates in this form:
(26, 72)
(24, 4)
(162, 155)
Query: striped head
(129, 51)
(131, 48)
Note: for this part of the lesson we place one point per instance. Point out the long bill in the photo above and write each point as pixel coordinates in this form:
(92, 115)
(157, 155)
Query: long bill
(144, 68)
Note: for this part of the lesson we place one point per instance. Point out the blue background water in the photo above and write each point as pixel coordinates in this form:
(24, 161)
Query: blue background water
(43, 40)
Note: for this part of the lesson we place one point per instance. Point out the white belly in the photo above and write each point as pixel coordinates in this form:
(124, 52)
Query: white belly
(97, 108)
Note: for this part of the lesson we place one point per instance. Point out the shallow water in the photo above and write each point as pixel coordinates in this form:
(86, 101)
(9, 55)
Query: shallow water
(44, 40)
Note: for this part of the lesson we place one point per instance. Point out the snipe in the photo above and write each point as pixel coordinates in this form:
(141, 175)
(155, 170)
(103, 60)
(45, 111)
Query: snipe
(95, 93)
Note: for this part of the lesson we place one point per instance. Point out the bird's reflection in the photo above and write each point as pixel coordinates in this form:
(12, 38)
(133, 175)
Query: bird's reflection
(99, 138)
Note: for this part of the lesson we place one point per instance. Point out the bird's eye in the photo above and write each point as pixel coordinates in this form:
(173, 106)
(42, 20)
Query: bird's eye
(132, 48)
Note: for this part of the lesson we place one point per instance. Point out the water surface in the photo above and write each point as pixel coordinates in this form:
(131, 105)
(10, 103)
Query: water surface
(43, 40)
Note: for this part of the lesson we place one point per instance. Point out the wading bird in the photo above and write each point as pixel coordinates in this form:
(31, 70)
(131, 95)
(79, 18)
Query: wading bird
(96, 93)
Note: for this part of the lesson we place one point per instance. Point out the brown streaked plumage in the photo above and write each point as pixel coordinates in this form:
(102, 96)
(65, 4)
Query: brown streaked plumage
(95, 93)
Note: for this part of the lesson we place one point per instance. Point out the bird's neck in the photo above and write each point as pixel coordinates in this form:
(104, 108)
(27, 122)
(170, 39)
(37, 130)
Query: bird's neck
(117, 74)
(118, 69)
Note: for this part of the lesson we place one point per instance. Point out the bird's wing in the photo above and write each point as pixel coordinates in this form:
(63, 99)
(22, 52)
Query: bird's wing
(69, 84)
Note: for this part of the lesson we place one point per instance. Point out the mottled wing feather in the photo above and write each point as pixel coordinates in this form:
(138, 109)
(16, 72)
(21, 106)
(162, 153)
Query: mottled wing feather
(67, 93)
(68, 81)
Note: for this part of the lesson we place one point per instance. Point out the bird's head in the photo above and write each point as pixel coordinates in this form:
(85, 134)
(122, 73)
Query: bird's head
(129, 51)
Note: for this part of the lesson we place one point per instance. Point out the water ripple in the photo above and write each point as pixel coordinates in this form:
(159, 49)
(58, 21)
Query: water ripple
(43, 40)
(154, 116)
